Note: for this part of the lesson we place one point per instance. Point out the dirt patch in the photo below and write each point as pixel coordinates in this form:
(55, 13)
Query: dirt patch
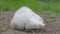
(52, 25)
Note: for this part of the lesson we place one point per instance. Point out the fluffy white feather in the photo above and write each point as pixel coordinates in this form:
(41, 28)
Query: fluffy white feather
(26, 18)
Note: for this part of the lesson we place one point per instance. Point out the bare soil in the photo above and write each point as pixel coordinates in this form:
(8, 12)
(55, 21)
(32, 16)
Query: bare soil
(52, 25)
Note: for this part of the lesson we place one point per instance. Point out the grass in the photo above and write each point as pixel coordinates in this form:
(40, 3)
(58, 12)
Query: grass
(36, 5)
(13, 4)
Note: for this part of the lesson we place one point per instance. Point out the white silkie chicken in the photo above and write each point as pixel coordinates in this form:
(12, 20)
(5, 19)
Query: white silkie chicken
(26, 18)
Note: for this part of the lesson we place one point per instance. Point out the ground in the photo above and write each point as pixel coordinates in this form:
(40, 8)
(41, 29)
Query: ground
(52, 25)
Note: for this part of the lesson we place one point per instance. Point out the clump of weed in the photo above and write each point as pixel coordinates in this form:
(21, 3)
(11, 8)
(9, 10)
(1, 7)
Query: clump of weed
(2, 28)
(51, 15)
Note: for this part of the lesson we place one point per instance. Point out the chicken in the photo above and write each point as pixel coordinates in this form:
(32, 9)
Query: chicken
(25, 18)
